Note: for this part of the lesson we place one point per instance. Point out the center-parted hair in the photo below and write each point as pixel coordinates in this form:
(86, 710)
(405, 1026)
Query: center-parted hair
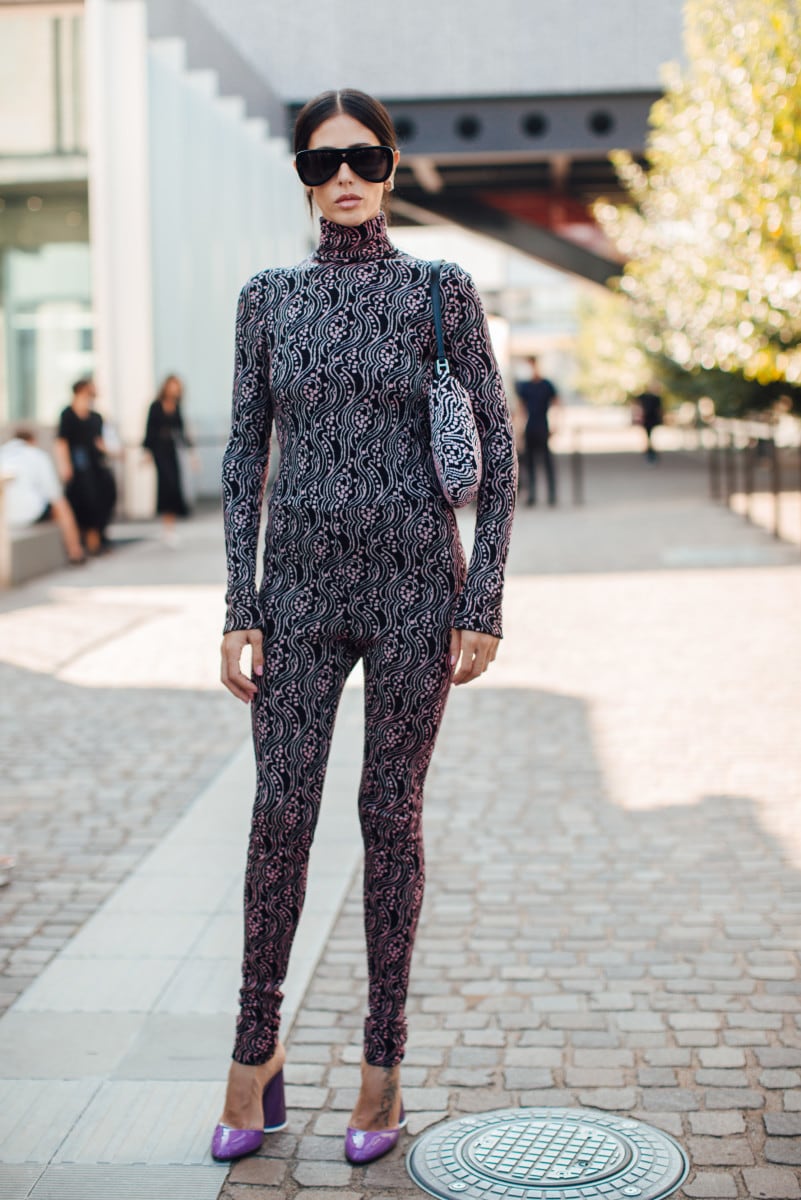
(363, 108)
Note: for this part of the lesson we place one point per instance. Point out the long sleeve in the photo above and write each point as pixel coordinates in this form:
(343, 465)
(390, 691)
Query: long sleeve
(183, 436)
(152, 429)
(472, 361)
(246, 459)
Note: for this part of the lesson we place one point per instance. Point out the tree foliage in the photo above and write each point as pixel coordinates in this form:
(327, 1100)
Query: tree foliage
(612, 365)
(713, 231)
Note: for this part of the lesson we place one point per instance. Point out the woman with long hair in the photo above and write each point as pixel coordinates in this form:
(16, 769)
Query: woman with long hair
(165, 437)
(362, 561)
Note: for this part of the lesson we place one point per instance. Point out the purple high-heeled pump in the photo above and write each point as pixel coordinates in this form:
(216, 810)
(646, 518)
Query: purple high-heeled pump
(365, 1145)
(228, 1143)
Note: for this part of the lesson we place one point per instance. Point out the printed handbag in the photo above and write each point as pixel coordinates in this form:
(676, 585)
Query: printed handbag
(455, 443)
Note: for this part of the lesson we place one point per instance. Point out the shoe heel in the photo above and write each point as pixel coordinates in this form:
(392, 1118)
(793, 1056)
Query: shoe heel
(274, 1105)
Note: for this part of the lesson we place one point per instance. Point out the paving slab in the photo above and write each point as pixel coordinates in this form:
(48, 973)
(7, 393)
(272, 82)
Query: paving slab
(38, 1114)
(19, 1181)
(67, 1182)
(72, 1045)
(181, 1047)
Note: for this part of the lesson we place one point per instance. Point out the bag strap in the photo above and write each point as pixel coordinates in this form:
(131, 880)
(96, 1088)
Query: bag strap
(441, 365)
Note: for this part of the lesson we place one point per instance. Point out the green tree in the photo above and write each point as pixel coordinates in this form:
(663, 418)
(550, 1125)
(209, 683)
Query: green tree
(713, 232)
(612, 365)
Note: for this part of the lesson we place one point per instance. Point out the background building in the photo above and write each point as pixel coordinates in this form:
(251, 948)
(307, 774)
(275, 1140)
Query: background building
(145, 172)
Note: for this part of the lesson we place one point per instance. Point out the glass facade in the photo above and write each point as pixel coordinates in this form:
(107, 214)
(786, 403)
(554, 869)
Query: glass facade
(46, 320)
(41, 83)
(47, 313)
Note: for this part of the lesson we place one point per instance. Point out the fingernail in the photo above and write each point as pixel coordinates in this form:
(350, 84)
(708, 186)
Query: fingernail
(453, 660)
(259, 670)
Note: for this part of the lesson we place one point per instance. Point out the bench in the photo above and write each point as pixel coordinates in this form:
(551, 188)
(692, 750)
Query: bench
(27, 553)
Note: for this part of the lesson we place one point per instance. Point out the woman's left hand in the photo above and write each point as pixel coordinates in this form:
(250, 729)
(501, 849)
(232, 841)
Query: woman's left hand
(476, 651)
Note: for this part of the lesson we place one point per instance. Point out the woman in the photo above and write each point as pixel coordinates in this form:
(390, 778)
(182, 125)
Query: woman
(362, 560)
(163, 436)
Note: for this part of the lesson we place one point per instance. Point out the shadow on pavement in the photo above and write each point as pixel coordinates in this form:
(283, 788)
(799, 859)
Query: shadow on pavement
(571, 952)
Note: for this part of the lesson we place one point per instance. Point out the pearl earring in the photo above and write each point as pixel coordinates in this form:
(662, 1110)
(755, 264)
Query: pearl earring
(389, 185)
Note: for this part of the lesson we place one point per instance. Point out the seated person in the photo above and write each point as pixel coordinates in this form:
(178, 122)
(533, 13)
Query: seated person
(33, 492)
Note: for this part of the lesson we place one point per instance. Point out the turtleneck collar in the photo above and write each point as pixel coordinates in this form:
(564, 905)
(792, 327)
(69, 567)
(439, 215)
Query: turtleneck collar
(354, 243)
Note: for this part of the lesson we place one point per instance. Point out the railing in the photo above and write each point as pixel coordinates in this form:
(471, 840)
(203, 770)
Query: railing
(577, 467)
(739, 452)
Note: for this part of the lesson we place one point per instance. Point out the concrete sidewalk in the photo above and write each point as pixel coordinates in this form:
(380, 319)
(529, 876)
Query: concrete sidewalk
(113, 1054)
(613, 848)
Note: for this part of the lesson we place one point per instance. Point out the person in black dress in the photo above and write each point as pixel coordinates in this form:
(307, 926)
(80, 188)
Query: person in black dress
(164, 435)
(81, 457)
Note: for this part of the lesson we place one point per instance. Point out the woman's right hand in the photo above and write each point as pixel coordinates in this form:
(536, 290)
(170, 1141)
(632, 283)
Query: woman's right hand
(233, 644)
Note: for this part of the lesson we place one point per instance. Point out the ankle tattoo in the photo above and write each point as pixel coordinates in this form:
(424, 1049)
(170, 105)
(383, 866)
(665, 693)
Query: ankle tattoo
(389, 1092)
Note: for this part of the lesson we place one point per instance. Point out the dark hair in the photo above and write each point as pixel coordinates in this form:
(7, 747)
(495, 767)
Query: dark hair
(81, 385)
(25, 434)
(168, 379)
(363, 108)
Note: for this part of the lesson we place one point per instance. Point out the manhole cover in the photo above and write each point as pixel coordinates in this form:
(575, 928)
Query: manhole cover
(547, 1154)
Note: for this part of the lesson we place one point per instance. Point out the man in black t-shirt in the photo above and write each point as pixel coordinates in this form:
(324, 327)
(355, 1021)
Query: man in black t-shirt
(537, 395)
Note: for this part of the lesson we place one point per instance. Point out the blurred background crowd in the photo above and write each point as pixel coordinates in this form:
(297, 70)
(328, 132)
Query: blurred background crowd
(623, 188)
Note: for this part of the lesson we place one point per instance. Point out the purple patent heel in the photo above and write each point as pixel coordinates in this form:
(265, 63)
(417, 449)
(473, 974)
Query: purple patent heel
(228, 1143)
(365, 1145)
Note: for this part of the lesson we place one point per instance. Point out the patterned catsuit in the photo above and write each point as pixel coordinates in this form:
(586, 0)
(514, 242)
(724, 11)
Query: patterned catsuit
(362, 560)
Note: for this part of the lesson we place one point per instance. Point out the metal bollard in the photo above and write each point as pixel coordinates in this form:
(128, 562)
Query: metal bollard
(729, 482)
(577, 470)
(714, 466)
(748, 476)
(776, 485)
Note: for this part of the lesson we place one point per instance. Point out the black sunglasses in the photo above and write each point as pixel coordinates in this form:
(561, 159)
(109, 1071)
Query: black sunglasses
(373, 163)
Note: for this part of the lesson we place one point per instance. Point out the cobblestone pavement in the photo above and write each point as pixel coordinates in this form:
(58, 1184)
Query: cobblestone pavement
(613, 903)
(108, 694)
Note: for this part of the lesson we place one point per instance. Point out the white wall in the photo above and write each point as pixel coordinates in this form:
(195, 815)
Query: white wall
(119, 217)
(27, 87)
(225, 202)
(188, 199)
(454, 47)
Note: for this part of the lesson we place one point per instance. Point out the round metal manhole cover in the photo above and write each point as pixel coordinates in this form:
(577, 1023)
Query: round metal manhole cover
(547, 1154)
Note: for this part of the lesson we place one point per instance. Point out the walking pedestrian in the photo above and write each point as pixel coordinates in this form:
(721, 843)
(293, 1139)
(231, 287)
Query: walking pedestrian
(648, 413)
(81, 457)
(362, 561)
(537, 395)
(165, 437)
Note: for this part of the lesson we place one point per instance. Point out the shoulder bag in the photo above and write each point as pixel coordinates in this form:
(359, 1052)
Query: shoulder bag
(455, 443)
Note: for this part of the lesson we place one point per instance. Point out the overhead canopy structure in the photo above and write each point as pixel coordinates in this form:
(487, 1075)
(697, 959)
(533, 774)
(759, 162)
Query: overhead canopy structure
(520, 169)
(506, 115)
